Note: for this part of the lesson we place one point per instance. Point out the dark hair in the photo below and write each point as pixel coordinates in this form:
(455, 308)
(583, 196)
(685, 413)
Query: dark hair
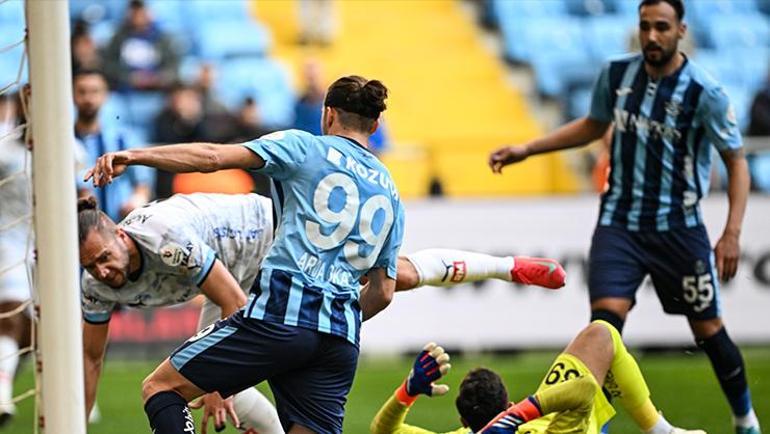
(358, 97)
(482, 396)
(678, 6)
(90, 218)
(88, 71)
(136, 4)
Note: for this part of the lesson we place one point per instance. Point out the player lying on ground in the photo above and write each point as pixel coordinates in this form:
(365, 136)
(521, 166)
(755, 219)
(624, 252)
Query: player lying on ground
(569, 399)
(170, 251)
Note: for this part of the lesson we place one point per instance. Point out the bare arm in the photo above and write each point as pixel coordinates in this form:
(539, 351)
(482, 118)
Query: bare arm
(189, 157)
(221, 287)
(579, 132)
(727, 250)
(377, 294)
(94, 345)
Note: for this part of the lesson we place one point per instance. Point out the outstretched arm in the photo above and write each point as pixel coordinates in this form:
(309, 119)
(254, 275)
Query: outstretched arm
(221, 287)
(579, 132)
(190, 157)
(94, 344)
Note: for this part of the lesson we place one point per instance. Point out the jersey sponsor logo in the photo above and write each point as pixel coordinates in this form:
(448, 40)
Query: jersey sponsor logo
(174, 255)
(189, 423)
(459, 270)
(623, 91)
(673, 108)
(134, 218)
(627, 122)
(234, 233)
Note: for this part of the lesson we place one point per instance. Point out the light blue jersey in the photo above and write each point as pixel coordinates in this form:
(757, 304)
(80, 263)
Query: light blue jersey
(339, 215)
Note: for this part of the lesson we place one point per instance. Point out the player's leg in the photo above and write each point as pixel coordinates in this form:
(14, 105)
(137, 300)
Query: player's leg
(686, 282)
(166, 393)
(253, 409)
(727, 362)
(615, 271)
(448, 267)
(11, 330)
(312, 398)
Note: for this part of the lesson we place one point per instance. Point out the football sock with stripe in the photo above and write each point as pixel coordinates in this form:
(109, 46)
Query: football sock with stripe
(168, 414)
(447, 267)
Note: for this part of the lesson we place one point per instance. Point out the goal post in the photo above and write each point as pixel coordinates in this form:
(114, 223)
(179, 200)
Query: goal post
(60, 335)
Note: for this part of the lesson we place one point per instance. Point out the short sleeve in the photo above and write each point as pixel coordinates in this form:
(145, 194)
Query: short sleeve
(388, 258)
(95, 309)
(601, 104)
(283, 151)
(718, 116)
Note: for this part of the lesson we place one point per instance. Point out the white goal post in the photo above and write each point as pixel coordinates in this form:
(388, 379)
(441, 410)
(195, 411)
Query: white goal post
(60, 335)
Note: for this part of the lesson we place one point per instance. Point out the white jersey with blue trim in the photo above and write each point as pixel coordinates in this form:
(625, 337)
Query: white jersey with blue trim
(179, 240)
(339, 216)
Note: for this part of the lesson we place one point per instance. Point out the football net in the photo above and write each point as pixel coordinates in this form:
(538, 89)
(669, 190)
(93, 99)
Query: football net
(16, 230)
(37, 207)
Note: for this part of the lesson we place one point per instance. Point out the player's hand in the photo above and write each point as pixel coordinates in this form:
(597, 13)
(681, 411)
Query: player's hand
(430, 365)
(507, 155)
(213, 405)
(107, 167)
(727, 253)
(506, 422)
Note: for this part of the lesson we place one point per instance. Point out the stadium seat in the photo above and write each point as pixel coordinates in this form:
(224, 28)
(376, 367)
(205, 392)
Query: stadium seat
(721, 66)
(577, 102)
(12, 12)
(142, 107)
(759, 166)
(515, 15)
(740, 31)
(264, 80)
(223, 39)
(608, 36)
(741, 99)
(590, 7)
(754, 65)
(201, 11)
(705, 10)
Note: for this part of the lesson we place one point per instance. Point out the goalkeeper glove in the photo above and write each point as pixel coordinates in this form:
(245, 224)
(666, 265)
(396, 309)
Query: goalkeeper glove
(509, 421)
(430, 365)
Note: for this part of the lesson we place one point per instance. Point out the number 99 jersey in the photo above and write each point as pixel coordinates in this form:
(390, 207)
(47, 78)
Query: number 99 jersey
(339, 215)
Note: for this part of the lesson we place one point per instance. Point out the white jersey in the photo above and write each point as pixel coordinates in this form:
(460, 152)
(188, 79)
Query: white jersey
(179, 240)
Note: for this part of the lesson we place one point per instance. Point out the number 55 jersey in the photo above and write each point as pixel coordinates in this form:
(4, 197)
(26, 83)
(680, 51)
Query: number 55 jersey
(339, 215)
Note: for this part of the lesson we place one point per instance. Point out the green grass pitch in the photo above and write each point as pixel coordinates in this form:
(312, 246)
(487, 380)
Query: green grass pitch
(682, 385)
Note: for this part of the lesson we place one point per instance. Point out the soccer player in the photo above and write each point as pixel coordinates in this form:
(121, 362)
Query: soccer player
(339, 219)
(667, 113)
(170, 251)
(569, 399)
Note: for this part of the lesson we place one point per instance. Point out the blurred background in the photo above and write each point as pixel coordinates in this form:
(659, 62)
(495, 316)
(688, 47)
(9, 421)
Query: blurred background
(465, 77)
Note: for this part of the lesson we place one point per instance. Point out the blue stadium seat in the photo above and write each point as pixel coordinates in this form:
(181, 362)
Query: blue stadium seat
(737, 31)
(701, 10)
(578, 102)
(201, 11)
(115, 109)
(142, 108)
(516, 15)
(759, 166)
(721, 66)
(264, 80)
(102, 32)
(753, 64)
(590, 7)
(11, 13)
(741, 99)
(223, 39)
(608, 36)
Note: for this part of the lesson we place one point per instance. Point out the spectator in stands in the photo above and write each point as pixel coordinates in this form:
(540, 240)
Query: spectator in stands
(98, 136)
(309, 106)
(248, 122)
(759, 123)
(316, 21)
(182, 121)
(140, 56)
(85, 55)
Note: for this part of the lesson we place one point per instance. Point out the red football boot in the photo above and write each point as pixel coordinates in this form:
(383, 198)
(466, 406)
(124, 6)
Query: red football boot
(544, 272)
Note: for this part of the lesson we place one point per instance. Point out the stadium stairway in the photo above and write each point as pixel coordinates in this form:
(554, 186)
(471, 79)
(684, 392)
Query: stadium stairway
(449, 103)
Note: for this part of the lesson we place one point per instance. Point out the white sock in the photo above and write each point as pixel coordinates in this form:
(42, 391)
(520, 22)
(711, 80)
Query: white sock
(661, 427)
(447, 267)
(9, 360)
(257, 412)
(747, 421)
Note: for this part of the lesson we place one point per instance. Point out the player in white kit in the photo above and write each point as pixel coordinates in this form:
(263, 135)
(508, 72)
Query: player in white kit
(170, 251)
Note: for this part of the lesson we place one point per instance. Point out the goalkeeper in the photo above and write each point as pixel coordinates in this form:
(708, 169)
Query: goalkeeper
(569, 399)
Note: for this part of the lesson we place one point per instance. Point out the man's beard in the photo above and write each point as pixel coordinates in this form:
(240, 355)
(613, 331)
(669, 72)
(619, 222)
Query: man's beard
(665, 57)
(87, 115)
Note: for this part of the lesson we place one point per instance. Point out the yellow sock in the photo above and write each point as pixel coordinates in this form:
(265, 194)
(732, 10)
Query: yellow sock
(625, 382)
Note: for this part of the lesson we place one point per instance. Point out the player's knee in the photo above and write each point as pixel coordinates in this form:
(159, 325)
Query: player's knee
(704, 329)
(151, 386)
